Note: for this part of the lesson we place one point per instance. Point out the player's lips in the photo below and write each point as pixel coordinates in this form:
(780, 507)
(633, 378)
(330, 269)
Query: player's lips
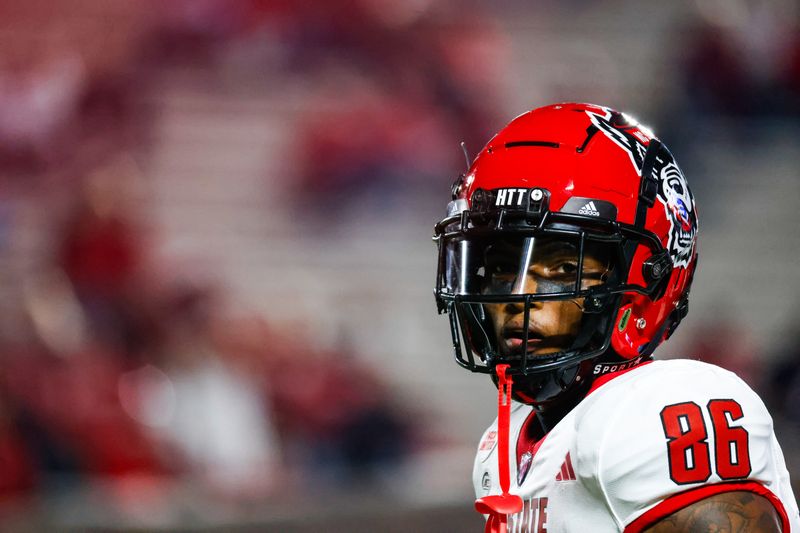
(514, 339)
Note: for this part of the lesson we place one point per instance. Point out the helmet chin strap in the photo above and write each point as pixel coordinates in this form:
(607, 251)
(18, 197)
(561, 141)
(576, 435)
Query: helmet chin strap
(499, 506)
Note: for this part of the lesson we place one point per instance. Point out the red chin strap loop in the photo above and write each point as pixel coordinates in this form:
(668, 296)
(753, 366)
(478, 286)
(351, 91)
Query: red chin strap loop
(499, 506)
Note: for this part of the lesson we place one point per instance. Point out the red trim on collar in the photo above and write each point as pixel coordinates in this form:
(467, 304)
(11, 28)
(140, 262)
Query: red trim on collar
(524, 444)
(679, 501)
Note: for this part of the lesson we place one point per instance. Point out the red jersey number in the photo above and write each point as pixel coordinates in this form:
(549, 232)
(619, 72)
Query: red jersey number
(730, 442)
(687, 442)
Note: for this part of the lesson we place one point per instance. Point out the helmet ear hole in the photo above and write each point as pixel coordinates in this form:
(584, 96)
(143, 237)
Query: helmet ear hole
(656, 271)
(657, 266)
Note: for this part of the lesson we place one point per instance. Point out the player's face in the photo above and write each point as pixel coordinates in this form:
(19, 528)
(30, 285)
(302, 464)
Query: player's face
(547, 267)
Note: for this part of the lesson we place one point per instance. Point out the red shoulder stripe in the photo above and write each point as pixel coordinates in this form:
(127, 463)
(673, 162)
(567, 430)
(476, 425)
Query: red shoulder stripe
(678, 501)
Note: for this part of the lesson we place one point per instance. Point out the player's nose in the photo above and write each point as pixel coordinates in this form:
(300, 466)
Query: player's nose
(526, 286)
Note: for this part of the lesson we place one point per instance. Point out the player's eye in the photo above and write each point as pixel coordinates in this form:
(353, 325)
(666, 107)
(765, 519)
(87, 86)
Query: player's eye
(567, 268)
(560, 270)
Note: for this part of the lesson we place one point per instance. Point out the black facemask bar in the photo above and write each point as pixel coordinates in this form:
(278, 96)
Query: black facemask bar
(475, 341)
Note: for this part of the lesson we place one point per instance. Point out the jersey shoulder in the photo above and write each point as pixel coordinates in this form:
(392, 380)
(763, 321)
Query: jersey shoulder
(662, 383)
(616, 411)
(668, 427)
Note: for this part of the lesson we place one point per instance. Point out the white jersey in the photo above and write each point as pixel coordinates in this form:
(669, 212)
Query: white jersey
(616, 460)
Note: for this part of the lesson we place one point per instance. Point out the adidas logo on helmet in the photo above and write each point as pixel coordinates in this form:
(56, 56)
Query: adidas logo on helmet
(589, 209)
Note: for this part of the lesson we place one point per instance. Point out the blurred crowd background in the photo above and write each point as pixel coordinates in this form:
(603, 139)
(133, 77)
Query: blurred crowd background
(216, 270)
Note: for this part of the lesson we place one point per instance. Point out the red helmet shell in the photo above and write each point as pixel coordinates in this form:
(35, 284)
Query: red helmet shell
(589, 151)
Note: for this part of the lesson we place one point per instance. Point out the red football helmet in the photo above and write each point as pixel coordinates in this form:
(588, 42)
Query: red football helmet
(576, 215)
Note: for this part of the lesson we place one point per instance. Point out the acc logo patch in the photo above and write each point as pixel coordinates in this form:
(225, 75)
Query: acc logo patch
(486, 483)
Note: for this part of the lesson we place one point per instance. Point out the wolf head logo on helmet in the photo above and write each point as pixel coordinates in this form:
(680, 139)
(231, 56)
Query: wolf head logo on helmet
(564, 250)
(679, 206)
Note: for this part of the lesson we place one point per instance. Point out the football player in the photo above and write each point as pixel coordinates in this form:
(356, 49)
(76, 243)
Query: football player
(565, 259)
